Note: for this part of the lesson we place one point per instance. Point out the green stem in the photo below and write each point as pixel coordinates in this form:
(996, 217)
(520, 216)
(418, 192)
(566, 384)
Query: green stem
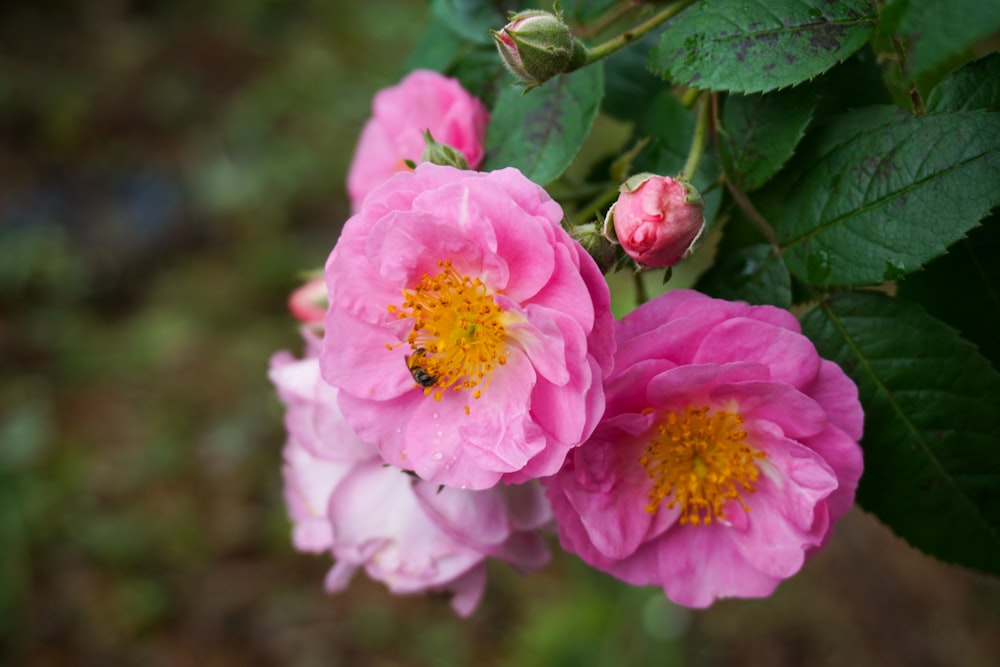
(641, 296)
(916, 101)
(594, 207)
(604, 50)
(690, 97)
(613, 15)
(698, 142)
(754, 216)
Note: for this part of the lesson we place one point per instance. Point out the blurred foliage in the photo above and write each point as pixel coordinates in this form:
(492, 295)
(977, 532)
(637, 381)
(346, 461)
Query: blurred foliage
(167, 168)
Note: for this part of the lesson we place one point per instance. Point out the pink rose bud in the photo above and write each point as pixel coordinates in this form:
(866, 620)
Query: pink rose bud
(308, 303)
(657, 220)
(536, 46)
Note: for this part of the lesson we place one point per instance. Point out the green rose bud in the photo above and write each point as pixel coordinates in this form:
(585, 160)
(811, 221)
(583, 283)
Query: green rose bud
(537, 45)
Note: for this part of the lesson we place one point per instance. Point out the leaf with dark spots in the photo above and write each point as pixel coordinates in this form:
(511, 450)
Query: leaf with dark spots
(773, 44)
(878, 204)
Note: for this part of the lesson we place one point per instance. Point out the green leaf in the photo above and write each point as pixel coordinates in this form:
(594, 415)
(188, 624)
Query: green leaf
(879, 204)
(963, 288)
(932, 460)
(752, 274)
(752, 46)
(481, 72)
(760, 133)
(470, 19)
(855, 83)
(938, 30)
(630, 87)
(437, 48)
(975, 86)
(582, 11)
(541, 132)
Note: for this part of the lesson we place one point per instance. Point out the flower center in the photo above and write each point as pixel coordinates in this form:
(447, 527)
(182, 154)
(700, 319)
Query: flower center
(458, 335)
(700, 460)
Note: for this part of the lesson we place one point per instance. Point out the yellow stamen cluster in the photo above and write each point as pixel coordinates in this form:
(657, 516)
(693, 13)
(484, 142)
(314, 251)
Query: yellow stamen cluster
(699, 460)
(458, 336)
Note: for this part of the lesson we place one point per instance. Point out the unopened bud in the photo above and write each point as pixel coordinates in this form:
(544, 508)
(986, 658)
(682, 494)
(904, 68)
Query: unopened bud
(309, 302)
(537, 45)
(657, 220)
(442, 154)
(597, 246)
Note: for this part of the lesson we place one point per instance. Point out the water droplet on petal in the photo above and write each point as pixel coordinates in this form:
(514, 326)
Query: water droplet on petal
(437, 456)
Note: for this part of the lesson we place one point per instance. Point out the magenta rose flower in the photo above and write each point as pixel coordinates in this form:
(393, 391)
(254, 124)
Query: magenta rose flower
(657, 220)
(468, 335)
(411, 535)
(727, 452)
(423, 101)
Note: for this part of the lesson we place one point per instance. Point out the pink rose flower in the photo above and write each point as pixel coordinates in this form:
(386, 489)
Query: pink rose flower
(727, 451)
(468, 335)
(423, 101)
(409, 534)
(657, 220)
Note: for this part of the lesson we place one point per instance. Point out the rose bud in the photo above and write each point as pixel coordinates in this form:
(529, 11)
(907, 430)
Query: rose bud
(657, 220)
(536, 46)
(308, 303)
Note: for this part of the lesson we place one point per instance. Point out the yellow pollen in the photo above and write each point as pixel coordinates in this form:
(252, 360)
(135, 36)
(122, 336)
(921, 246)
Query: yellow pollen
(699, 460)
(457, 337)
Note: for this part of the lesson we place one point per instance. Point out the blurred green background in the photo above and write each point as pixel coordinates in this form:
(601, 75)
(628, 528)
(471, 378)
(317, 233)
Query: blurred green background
(167, 167)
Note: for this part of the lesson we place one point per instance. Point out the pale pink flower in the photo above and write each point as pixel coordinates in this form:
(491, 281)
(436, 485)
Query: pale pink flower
(468, 334)
(409, 534)
(727, 451)
(423, 101)
(657, 220)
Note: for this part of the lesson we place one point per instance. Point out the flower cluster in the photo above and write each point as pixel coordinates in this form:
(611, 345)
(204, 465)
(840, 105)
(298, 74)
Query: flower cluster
(465, 388)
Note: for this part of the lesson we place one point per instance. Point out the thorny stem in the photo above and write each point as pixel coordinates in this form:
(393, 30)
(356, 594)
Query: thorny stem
(916, 101)
(698, 142)
(754, 216)
(604, 50)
